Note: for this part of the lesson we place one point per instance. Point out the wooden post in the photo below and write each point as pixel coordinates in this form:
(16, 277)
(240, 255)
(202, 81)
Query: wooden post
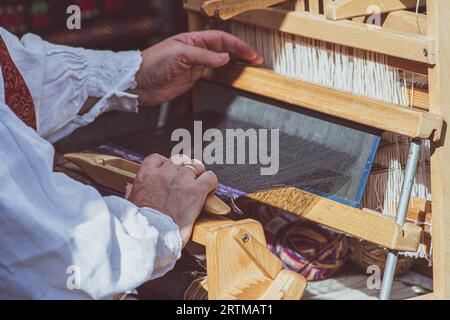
(300, 5)
(438, 12)
(314, 6)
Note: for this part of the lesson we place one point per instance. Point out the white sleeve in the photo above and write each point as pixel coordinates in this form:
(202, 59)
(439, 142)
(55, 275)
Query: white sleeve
(61, 79)
(74, 74)
(61, 239)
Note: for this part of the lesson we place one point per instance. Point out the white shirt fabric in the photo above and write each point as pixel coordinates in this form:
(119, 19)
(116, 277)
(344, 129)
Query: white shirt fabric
(60, 239)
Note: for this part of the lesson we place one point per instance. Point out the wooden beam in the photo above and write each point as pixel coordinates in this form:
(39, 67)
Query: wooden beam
(373, 113)
(419, 98)
(210, 222)
(438, 12)
(344, 9)
(365, 225)
(418, 48)
(406, 21)
(228, 11)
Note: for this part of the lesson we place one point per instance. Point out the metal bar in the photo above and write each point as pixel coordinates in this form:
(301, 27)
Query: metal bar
(402, 211)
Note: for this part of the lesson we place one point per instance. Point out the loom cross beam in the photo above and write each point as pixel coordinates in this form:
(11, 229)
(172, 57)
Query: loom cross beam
(227, 9)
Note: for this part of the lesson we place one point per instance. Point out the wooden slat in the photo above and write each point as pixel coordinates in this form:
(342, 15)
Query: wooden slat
(314, 6)
(419, 48)
(406, 21)
(228, 11)
(344, 9)
(210, 222)
(362, 224)
(438, 12)
(287, 283)
(420, 98)
(373, 113)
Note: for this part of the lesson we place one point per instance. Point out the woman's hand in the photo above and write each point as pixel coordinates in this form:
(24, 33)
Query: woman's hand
(171, 67)
(174, 189)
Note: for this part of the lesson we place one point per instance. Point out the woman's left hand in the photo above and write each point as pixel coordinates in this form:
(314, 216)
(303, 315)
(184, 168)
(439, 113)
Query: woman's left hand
(171, 67)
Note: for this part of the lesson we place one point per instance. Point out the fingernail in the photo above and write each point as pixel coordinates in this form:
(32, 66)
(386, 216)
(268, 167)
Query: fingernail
(224, 56)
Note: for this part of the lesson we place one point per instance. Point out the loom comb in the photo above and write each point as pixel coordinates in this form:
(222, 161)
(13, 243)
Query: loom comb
(239, 264)
(115, 173)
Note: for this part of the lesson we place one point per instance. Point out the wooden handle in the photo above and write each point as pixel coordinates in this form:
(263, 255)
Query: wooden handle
(214, 205)
(115, 173)
(228, 11)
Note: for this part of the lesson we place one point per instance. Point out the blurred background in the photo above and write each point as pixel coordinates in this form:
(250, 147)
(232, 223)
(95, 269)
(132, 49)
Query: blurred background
(106, 25)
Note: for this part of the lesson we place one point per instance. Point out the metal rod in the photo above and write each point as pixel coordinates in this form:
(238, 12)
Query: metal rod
(402, 212)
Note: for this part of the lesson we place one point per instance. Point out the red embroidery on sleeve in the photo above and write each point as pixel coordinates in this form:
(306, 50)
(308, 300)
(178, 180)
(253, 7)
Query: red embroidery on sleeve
(17, 94)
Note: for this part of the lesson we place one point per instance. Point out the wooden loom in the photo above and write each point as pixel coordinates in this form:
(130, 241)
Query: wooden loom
(401, 38)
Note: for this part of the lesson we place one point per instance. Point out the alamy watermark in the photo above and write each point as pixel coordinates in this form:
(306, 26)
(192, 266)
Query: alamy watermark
(374, 280)
(73, 281)
(73, 22)
(231, 146)
(374, 18)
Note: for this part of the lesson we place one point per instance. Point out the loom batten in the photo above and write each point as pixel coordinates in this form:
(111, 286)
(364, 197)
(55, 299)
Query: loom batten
(370, 112)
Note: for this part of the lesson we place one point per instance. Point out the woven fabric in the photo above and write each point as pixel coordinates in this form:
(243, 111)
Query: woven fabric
(17, 94)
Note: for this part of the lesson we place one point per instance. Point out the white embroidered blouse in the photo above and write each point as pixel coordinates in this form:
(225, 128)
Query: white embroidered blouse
(60, 239)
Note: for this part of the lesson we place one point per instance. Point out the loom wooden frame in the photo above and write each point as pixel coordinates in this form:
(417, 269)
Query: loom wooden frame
(425, 54)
